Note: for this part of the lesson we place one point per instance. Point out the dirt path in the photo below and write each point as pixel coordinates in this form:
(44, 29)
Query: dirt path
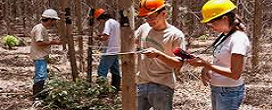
(16, 72)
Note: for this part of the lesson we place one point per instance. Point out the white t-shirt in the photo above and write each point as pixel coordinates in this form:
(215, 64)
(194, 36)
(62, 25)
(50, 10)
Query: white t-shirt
(112, 28)
(237, 43)
(152, 69)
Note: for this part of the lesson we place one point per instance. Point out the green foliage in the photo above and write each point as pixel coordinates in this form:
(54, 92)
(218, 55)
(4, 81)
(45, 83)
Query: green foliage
(80, 95)
(10, 40)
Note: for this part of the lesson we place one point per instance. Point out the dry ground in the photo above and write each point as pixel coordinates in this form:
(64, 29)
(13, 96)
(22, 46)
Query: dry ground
(16, 72)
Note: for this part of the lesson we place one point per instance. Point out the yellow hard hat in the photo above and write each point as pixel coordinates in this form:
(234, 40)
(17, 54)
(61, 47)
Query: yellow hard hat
(215, 8)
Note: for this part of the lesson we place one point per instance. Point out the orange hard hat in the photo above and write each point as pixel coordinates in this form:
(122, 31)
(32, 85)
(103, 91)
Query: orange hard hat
(148, 7)
(98, 12)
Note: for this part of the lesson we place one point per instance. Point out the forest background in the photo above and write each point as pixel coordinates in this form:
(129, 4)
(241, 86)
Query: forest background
(17, 17)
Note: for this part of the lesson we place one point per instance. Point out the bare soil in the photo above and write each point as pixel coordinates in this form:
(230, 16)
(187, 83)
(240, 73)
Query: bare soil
(16, 72)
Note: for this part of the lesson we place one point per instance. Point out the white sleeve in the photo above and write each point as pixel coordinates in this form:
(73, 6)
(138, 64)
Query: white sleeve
(240, 44)
(137, 33)
(142, 28)
(107, 28)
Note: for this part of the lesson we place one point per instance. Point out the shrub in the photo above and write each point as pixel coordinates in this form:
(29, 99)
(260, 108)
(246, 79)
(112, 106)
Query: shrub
(80, 95)
(10, 41)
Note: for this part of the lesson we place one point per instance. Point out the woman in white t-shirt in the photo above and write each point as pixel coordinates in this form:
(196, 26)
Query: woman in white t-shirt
(230, 51)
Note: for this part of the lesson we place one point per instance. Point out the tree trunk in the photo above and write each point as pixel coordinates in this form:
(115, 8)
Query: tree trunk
(257, 33)
(175, 13)
(71, 52)
(61, 27)
(7, 17)
(24, 2)
(90, 52)
(2, 12)
(80, 33)
(128, 61)
(192, 18)
(2, 16)
(13, 17)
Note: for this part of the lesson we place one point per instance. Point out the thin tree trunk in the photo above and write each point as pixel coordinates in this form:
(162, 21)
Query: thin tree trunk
(79, 31)
(71, 52)
(191, 27)
(128, 62)
(175, 13)
(90, 52)
(61, 28)
(2, 16)
(7, 17)
(257, 33)
(24, 2)
(2, 11)
(13, 16)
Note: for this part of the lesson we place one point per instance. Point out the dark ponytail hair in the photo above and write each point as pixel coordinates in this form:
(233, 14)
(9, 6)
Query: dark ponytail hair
(236, 21)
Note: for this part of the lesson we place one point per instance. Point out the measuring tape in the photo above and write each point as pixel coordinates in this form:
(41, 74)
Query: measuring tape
(118, 53)
(102, 47)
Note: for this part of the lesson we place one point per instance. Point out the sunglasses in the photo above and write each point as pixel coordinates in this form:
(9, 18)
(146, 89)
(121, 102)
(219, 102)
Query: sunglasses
(152, 17)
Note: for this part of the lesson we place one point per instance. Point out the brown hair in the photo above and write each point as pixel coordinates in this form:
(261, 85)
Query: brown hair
(236, 21)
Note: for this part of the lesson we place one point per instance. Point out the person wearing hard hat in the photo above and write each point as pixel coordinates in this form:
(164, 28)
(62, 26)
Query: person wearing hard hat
(40, 49)
(111, 37)
(230, 51)
(157, 38)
